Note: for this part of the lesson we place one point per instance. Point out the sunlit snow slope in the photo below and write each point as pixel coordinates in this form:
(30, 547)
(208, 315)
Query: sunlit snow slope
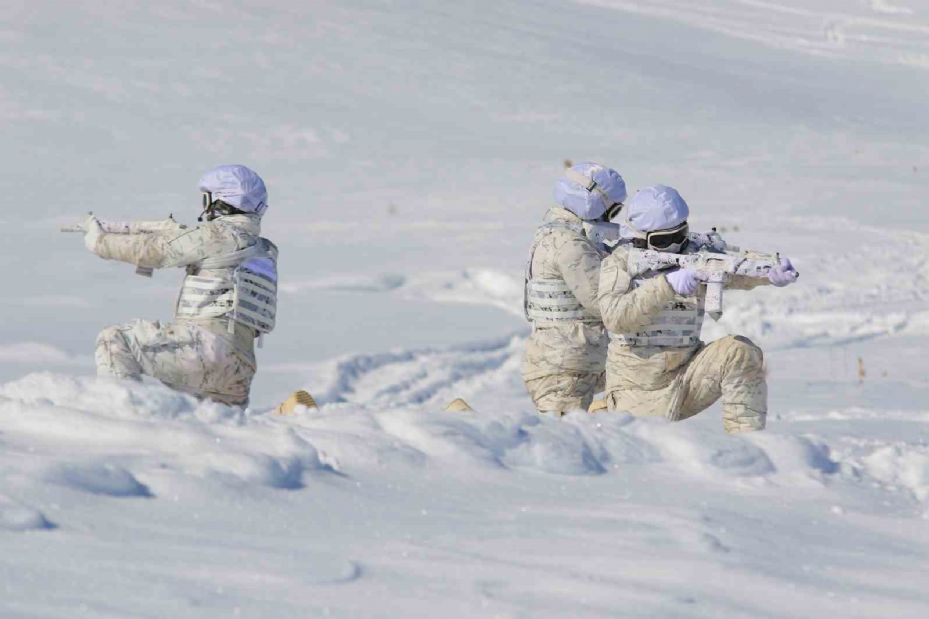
(409, 150)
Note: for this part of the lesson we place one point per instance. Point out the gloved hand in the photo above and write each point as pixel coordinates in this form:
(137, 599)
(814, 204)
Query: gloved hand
(684, 282)
(783, 274)
(92, 232)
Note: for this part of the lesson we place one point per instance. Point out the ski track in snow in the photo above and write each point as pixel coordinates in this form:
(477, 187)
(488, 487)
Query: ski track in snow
(890, 33)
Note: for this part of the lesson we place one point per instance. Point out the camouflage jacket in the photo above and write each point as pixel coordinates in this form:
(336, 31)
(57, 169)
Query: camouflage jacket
(572, 347)
(635, 374)
(186, 248)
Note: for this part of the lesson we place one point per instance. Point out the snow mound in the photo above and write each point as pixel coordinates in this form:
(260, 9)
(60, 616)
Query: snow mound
(112, 398)
(381, 460)
(106, 436)
(118, 439)
(900, 466)
(17, 517)
(98, 478)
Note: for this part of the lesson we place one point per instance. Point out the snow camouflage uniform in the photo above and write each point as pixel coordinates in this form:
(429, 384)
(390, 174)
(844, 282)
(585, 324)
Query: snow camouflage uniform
(675, 381)
(563, 366)
(676, 376)
(204, 351)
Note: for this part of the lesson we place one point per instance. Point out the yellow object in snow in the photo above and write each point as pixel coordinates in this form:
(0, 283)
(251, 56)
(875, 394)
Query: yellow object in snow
(458, 406)
(597, 406)
(297, 398)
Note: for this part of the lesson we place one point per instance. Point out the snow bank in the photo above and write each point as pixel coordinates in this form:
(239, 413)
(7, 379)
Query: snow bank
(110, 438)
(900, 466)
(17, 517)
(380, 486)
(103, 436)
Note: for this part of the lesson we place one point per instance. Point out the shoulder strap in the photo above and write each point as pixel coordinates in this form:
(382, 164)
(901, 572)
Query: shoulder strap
(560, 224)
(263, 247)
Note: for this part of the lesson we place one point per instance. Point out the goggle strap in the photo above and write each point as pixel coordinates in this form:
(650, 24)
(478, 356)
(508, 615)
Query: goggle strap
(614, 210)
(587, 183)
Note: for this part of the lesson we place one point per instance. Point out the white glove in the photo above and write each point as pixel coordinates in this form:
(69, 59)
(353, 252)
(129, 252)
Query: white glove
(92, 232)
(783, 274)
(684, 282)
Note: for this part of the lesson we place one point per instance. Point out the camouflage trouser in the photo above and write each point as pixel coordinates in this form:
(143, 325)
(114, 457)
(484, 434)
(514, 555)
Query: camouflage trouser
(731, 368)
(559, 393)
(186, 357)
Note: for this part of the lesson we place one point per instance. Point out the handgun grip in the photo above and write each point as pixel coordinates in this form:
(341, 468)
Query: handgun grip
(713, 304)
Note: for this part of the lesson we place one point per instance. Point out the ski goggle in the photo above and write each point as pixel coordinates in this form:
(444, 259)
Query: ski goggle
(207, 203)
(672, 240)
(612, 211)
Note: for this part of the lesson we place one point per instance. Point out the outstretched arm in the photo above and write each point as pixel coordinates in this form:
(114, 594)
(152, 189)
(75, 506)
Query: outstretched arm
(159, 250)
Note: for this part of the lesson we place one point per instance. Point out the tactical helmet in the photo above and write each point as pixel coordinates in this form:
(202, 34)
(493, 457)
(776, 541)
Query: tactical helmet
(235, 186)
(657, 218)
(590, 191)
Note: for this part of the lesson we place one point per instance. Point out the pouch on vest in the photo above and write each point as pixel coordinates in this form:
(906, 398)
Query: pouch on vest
(255, 290)
(551, 300)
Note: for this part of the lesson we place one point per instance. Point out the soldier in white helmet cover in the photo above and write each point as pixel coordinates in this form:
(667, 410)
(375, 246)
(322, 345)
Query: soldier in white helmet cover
(565, 354)
(657, 364)
(228, 298)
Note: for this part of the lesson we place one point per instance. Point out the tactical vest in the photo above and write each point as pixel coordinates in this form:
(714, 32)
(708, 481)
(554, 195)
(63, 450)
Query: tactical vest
(550, 300)
(678, 325)
(241, 286)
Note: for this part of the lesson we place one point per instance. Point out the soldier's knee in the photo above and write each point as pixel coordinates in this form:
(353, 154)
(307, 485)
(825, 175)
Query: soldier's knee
(110, 336)
(744, 353)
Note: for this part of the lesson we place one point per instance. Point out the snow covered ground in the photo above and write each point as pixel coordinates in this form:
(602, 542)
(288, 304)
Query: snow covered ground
(410, 149)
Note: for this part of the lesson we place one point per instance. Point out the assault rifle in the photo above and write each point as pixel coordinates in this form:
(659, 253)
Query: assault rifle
(715, 263)
(132, 227)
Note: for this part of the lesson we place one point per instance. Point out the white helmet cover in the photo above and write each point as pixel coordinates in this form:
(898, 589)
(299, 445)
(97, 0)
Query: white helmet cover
(658, 207)
(588, 189)
(237, 186)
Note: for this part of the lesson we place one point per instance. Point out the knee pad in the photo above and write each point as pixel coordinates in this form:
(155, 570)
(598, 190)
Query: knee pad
(109, 335)
(745, 353)
(112, 354)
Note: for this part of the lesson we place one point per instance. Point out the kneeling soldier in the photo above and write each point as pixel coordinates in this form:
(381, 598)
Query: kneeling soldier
(656, 363)
(566, 352)
(228, 298)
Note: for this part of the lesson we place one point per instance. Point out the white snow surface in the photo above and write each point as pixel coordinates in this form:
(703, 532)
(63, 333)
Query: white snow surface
(409, 150)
